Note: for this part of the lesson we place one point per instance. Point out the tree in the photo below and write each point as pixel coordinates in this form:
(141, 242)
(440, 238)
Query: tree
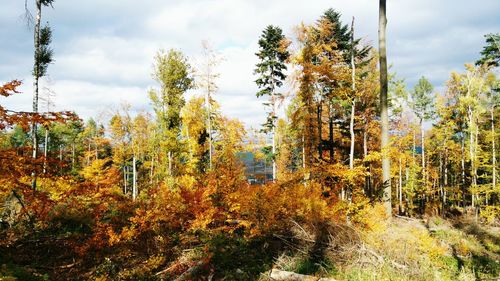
(384, 114)
(422, 105)
(490, 55)
(207, 77)
(43, 57)
(272, 55)
(173, 72)
(194, 130)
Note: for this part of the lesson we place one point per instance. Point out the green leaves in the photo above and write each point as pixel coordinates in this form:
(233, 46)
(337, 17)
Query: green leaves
(44, 54)
(272, 54)
(423, 99)
(490, 55)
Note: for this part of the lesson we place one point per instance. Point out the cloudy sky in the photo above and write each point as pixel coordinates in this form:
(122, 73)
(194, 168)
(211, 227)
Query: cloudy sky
(104, 49)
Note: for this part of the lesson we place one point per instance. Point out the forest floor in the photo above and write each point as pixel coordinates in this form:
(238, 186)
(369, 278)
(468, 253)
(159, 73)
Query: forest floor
(404, 249)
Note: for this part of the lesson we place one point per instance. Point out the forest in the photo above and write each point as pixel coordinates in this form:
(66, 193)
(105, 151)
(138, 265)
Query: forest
(366, 178)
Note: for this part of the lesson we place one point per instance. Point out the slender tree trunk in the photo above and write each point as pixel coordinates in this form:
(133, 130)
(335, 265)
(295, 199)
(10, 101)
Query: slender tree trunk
(274, 153)
(407, 177)
(441, 184)
(351, 130)
(462, 162)
(170, 163)
(386, 165)
(494, 159)
(273, 104)
(401, 208)
(320, 131)
(330, 132)
(88, 154)
(209, 121)
(124, 179)
(152, 168)
(73, 156)
(35, 86)
(45, 147)
(422, 131)
(365, 154)
(471, 153)
(446, 167)
(134, 178)
(353, 105)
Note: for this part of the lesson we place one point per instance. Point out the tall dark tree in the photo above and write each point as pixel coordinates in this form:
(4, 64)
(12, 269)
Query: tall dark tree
(490, 54)
(341, 41)
(272, 55)
(384, 114)
(341, 34)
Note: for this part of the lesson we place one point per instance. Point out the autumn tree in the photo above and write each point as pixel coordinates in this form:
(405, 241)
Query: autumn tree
(272, 54)
(422, 105)
(173, 72)
(207, 76)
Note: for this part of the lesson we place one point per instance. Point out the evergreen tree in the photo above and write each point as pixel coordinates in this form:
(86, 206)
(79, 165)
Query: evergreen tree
(490, 55)
(272, 55)
(43, 57)
(341, 34)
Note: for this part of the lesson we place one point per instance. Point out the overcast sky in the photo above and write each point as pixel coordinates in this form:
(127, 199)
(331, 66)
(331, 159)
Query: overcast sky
(104, 49)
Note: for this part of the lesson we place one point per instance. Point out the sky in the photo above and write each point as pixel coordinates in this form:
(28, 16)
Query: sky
(104, 49)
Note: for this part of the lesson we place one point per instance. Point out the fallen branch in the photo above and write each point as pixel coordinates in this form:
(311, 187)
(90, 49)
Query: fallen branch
(280, 275)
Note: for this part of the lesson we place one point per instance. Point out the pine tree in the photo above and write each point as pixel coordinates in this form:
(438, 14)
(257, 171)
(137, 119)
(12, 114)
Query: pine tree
(43, 57)
(272, 55)
(490, 55)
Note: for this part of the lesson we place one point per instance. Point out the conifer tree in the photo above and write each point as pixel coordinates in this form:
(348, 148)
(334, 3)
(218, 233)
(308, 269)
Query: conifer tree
(43, 57)
(490, 55)
(272, 55)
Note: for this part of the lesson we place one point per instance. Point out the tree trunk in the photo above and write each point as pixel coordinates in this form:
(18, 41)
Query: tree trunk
(274, 153)
(351, 130)
(330, 131)
(471, 153)
(401, 208)
(353, 105)
(45, 147)
(170, 163)
(273, 104)
(125, 179)
(462, 162)
(35, 86)
(494, 159)
(365, 154)
(386, 165)
(134, 178)
(422, 131)
(209, 124)
(320, 131)
(72, 156)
